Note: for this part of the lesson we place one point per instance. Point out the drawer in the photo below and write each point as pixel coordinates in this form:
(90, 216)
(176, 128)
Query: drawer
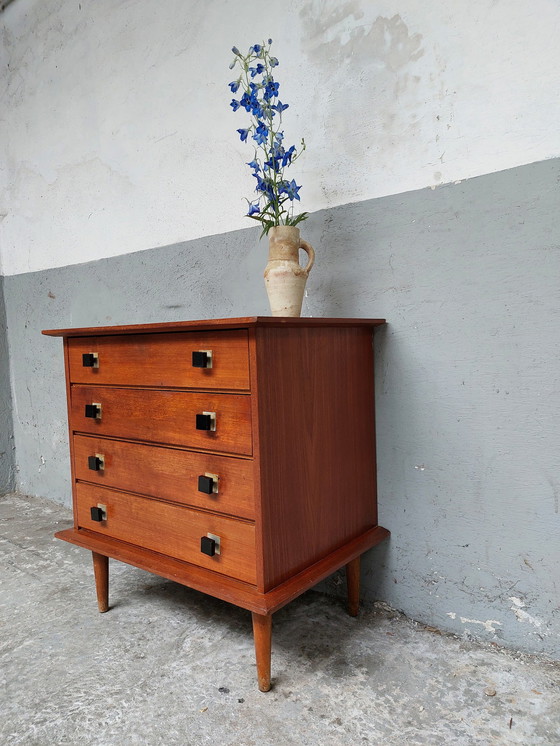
(167, 417)
(168, 473)
(172, 530)
(163, 359)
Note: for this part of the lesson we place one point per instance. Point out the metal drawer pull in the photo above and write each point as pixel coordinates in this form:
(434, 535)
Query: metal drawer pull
(202, 359)
(98, 513)
(208, 483)
(97, 462)
(206, 421)
(90, 360)
(93, 411)
(210, 544)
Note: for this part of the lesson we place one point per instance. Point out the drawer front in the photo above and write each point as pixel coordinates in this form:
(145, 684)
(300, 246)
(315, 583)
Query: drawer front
(163, 360)
(171, 529)
(167, 417)
(167, 473)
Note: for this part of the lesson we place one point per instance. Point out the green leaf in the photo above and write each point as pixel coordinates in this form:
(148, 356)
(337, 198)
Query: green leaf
(299, 218)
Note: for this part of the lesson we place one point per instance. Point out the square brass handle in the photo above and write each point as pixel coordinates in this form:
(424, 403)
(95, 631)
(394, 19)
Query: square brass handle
(202, 359)
(206, 421)
(96, 463)
(90, 360)
(98, 513)
(207, 546)
(208, 483)
(93, 411)
(210, 544)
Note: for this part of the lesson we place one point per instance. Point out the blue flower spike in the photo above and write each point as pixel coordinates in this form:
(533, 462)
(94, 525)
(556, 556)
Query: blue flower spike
(258, 93)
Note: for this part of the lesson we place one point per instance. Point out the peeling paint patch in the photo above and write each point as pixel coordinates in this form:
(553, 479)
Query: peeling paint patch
(488, 624)
(521, 614)
(337, 30)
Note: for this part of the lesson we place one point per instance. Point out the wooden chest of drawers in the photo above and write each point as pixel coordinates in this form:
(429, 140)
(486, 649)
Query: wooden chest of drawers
(235, 456)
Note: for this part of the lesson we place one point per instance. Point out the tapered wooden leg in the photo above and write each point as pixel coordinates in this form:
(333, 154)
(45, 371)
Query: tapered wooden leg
(101, 572)
(262, 632)
(353, 585)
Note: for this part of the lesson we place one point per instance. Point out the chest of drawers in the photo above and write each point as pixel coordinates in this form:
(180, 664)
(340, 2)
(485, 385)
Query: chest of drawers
(234, 456)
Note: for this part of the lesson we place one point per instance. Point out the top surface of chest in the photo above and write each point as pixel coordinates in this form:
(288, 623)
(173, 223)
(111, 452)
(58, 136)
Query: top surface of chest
(248, 322)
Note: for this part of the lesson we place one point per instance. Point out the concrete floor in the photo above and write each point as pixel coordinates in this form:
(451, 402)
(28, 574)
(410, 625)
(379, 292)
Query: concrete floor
(167, 665)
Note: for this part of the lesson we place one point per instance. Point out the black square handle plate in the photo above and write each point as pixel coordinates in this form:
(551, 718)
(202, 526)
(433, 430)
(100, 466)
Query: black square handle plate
(92, 411)
(203, 422)
(95, 463)
(207, 546)
(205, 484)
(96, 514)
(200, 359)
(89, 359)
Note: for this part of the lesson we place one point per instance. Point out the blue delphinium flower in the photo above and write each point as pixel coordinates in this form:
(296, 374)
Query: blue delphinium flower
(258, 70)
(259, 98)
(261, 133)
(270, 90)
(287, 156)
(290, 188)
(273, 163)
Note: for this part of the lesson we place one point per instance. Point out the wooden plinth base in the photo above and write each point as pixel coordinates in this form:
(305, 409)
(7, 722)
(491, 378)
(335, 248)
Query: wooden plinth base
(262, 605)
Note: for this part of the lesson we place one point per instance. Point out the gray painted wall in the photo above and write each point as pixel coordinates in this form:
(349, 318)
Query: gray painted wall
(6, 430)
(468, 380)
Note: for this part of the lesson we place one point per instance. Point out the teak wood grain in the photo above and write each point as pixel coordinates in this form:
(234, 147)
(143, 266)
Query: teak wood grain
(163, 360)
(262, 632)
(165, 417)
(316, 445)
(101, 574)
(246, 322)
(168, 473)
(69, 416)
(170, 529)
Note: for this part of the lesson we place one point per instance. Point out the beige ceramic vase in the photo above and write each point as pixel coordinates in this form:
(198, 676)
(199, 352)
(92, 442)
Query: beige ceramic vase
(284, 277)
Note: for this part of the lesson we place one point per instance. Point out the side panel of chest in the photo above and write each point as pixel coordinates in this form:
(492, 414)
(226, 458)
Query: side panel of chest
(316, 444)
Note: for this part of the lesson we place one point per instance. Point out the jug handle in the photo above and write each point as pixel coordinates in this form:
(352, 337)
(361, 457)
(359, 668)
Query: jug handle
(310, 253)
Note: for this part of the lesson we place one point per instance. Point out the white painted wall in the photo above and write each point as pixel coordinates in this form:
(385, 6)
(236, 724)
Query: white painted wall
(117, 133)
